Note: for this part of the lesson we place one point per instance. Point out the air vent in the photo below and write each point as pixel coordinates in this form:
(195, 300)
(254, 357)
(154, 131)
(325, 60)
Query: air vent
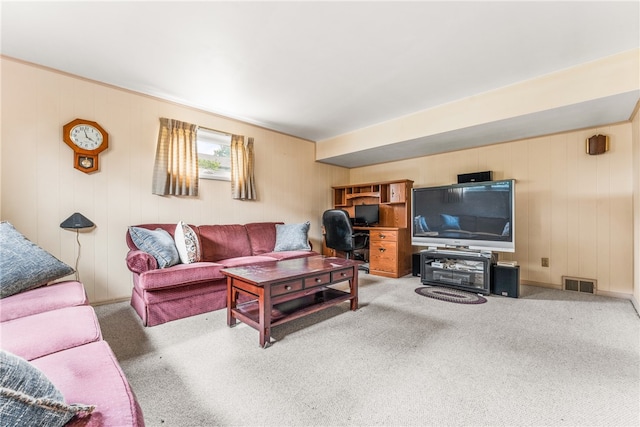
(578, 284)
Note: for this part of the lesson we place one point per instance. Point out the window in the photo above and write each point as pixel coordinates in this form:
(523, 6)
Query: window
(214, 154)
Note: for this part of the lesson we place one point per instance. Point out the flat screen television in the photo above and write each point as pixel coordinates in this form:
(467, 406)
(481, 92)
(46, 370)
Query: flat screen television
(366, 215)
(474, 215)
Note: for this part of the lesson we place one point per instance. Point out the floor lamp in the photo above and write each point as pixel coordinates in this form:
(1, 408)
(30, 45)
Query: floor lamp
(77, 222)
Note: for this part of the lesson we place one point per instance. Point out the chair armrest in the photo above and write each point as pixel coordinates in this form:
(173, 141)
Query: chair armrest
(140, 261)
(360, 240)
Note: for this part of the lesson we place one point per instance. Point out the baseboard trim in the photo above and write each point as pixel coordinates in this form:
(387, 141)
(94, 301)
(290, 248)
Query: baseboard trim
(620, 295)
(111, 301)
(635, 304)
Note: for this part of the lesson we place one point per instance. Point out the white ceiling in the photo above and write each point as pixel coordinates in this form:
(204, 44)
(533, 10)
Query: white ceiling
(321, 69)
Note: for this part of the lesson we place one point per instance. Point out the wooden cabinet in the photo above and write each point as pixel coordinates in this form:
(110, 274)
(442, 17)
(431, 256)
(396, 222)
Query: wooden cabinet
(390, 239)
(383, 252)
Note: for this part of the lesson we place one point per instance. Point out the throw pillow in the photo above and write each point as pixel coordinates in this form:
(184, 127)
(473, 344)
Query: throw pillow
(28, 398)
(450, 222)
(292, 237)
(25, 265)
(420, 224)
(506, 230)
(187, 243)
(157, 243)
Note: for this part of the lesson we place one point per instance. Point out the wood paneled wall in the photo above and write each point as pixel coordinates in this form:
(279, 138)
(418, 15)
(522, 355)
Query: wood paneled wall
(573, 208)
(40, 188)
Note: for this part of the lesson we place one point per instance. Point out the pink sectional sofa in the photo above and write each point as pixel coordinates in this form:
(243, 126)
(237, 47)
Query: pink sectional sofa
(55, 330)
(161, 295)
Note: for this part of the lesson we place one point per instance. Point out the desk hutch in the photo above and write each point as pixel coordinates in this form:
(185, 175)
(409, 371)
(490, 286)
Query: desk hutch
(389, 240)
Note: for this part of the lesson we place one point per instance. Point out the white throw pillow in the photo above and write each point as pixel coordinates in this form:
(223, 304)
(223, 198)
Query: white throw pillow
(187, 243)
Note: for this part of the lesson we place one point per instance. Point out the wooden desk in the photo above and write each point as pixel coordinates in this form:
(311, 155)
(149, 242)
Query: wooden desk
(389, 242)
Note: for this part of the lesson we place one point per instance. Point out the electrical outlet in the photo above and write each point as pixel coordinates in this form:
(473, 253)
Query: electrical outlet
(545, 262)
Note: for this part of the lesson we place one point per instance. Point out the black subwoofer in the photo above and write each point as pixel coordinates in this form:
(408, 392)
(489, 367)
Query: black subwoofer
(415, 264)
(505, 281)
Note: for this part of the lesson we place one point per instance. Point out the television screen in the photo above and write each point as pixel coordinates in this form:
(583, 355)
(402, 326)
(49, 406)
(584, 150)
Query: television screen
(474, 215)
(366, 215)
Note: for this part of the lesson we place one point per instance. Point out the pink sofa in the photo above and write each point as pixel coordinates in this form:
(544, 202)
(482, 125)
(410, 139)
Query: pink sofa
(161, 295)
(57, 332)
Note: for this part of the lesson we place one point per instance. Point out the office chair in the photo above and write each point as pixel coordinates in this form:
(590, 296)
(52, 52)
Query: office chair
(339, 234)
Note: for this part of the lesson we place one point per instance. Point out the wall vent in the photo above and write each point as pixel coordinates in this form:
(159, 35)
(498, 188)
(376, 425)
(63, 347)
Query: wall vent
(578, 284)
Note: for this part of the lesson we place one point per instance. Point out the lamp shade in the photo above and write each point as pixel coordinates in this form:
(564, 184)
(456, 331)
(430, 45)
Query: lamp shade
(76, 221)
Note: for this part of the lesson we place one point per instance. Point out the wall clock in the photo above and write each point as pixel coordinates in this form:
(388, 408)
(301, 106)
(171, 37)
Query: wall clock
(87, 139)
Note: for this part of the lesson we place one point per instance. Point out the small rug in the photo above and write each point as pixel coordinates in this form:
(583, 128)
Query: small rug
(451, 295)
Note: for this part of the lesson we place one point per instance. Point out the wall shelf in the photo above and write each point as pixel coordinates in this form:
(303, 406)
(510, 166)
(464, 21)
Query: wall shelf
(359, 195)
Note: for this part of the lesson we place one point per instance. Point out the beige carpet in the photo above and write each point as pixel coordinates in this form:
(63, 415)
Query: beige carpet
(549, 358)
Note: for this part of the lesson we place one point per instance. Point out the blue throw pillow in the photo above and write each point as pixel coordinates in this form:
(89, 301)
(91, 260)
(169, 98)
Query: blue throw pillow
(25, 265)
(292, 237)
(157, 243)
(450, 222)
(28, 398)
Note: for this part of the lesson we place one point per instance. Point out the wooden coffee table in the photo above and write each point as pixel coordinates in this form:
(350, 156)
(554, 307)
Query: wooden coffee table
(282, 291)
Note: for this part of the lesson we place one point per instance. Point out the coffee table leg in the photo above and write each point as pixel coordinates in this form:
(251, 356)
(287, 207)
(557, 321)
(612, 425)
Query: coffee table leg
(232, 298)
(264, 300)
(353, 285)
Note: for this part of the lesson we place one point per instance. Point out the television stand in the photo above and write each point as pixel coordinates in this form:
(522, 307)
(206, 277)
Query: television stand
(467, 271)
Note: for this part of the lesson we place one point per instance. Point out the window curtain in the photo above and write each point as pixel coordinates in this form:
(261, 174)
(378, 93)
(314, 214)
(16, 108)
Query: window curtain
(175, 172)
(242, 168)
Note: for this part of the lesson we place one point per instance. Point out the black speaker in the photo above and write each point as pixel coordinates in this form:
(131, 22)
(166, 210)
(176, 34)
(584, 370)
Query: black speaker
(475, 177)
(415, 264)
(505, 280)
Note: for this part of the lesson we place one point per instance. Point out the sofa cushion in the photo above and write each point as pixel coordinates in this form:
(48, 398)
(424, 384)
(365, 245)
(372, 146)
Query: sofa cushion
(91, 373)
(46, 298)
(292, 237)
(491, 225)
(187, 243)
(180, 275)
(262, 236)
(158, 243)
(468, 222)
(29, 398)
(223, 241)
(50, 332)
(25, 265)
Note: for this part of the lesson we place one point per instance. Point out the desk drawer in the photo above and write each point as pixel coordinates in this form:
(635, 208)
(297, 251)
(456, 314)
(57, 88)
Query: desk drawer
(286, 287)
(319, 280)
(337, 276)
(387, 236)
(383, 256)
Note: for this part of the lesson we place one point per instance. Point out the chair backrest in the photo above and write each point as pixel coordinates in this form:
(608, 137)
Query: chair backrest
(338, 230)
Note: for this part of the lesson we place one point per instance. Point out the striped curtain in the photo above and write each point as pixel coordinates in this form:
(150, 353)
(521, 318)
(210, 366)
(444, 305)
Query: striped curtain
(242, 168)
(175, 172)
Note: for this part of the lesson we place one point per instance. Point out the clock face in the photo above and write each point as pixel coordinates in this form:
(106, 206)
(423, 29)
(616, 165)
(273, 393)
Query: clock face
(86, 137)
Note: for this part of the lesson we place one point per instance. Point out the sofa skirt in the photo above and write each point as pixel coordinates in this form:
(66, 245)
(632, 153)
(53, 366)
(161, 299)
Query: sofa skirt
(155, 308)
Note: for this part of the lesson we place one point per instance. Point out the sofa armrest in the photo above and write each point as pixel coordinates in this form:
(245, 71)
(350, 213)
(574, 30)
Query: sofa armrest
(140, 261)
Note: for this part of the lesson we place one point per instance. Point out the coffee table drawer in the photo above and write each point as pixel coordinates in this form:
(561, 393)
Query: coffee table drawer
(318, 280)
(337, 276)
(286, 287)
